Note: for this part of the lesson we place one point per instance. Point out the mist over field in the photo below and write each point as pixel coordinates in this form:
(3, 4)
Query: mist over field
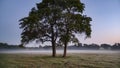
(80, 48)
(37, 51)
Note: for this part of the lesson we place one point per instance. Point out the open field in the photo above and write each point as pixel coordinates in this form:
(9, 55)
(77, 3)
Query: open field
(71, 61)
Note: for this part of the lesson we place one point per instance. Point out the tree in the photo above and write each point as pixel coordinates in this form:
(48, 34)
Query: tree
(106, 46)
(93, 46)
(116, 46)
(54, 20)
(42, 23)
(21, 46)
(73, 22)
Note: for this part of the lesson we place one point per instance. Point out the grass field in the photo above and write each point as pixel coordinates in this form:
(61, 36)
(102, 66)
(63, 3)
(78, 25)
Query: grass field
(71, 61)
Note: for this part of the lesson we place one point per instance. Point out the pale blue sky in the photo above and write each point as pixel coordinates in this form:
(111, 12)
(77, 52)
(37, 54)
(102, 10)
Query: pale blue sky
(105, 24)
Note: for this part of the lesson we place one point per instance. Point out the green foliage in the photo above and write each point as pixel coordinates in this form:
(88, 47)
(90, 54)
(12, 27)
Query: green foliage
(74, 21)
(51, 19)
(41, 24)
(55, 18)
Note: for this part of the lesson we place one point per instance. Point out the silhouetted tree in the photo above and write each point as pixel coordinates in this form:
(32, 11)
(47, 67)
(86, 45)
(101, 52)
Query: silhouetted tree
(21, 46)
(106, 46)
(85, 46)
(55, 18)
(94, 46)
(73, 22)
(42, 23)
(5, 45)
(116, 46)
(78, 44)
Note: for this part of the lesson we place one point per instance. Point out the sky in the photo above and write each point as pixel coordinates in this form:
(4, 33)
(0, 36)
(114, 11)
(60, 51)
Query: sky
(105, 22)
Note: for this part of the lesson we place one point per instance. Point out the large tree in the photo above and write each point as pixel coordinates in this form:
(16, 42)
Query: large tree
(55, 20)
(42, 23)
(73, 22)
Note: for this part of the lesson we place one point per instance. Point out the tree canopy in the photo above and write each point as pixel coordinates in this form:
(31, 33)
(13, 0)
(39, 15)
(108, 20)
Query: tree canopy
(55, 20)
(73, 21)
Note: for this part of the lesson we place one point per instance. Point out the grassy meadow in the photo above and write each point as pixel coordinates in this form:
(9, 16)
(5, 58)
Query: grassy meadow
(71, 61)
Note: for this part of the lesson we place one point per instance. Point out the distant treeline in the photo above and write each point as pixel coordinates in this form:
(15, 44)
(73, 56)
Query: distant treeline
(116, 46)
(5, 45)
(80, 46)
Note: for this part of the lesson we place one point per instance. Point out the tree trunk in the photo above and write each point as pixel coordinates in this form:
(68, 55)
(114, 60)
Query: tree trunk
(53, 49)
(53, 42)
(65, 50)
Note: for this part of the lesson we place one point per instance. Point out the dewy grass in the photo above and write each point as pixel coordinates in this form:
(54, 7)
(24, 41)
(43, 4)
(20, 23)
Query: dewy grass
(71, 61)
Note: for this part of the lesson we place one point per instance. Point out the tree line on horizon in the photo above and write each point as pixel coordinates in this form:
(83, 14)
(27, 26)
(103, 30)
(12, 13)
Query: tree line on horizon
(79, 46)
(93, 46)
(6, 45)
